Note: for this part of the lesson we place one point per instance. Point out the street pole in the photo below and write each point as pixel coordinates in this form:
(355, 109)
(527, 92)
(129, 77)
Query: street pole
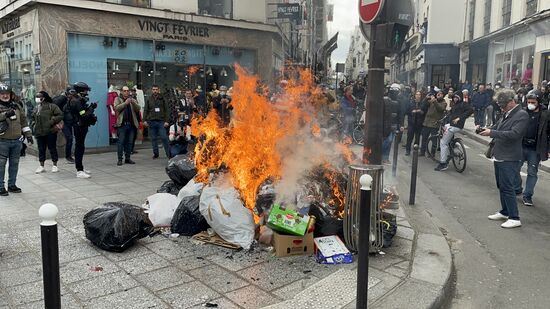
(372, 149)
(414, 172)
(364, 242)
(50, 256)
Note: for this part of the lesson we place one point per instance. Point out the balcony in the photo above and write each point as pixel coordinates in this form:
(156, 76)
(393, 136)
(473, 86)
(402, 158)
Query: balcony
(136, 3)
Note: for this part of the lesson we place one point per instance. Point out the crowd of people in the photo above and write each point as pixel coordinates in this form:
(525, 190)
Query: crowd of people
(71, 114)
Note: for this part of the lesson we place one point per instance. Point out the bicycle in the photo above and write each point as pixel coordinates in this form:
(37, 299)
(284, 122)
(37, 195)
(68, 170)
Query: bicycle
(358, 133)
(457, 151)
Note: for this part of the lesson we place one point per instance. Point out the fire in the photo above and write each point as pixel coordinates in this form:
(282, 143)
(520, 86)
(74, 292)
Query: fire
(366, 154)
(344, 149)
(316, 130)
(192, 70)
(337, 198)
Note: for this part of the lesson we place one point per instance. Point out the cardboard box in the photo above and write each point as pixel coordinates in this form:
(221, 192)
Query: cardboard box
(287, 221)
(290, 245)
(331, 250)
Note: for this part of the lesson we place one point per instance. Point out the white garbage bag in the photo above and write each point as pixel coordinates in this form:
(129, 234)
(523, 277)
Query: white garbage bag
(190, 189)
(161, 208)
(226, 214)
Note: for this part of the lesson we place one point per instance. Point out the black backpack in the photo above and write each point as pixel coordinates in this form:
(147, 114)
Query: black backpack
(60, 100)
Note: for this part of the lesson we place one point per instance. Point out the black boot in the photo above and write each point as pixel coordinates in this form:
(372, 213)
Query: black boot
(14, 189)
(3, 192)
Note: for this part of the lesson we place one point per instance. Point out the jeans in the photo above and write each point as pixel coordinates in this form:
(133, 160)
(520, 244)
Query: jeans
(125, 134)
(79, 146)
(177, 149)
(445, 140)
(386, 146)
(68, 132)
(156, 129)
(49, 141)
(489, 116)
(426, 132)
(479, 117)
(533, 159)
(10, 150)
(413, 133)
(506, 174)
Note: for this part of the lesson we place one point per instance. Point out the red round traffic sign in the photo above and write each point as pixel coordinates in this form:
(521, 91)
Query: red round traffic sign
(370, 9)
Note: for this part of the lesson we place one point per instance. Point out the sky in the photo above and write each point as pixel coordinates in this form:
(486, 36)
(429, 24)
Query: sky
(346, 17)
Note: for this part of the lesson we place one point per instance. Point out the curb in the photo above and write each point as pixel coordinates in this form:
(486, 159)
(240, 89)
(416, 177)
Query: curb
(483, 141)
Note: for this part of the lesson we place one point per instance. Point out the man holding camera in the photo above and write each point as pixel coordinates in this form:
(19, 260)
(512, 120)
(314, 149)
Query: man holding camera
(507, 153)
(127, 123)
(157, 116)
(535, 145)
(82, 115)
(434, 113)
(13, 124)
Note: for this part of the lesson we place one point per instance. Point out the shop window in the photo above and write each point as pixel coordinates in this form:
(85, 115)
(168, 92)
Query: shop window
(219, 8)
(546, 66)
(531, 7)
(440, 74)
(487, 17)
(471, 23)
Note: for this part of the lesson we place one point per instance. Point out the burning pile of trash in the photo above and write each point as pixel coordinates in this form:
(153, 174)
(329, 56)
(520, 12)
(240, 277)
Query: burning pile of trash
(269, 176)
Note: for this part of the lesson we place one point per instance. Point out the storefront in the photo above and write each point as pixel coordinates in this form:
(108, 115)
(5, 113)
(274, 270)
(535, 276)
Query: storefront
(109, 50)
(511, 57)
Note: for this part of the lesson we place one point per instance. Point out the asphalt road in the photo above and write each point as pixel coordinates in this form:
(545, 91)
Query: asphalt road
(495, 267)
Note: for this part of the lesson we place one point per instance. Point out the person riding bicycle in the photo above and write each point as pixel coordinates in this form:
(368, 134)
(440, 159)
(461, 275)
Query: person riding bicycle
(458, 114)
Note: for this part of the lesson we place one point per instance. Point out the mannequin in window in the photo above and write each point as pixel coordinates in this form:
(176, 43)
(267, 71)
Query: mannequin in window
(111, 96)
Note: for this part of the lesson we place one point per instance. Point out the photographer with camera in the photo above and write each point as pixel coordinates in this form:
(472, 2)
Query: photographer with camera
(222, 104)
(180, 135)
(82, 115)
(535, 144)
(13, 124)
(127, 124)
(434, 112)
(62, 102)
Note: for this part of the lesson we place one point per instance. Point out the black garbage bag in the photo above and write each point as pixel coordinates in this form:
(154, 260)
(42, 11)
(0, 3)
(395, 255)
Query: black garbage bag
(169, 187)
(325, 223)
(389, 228)
(187, 219)
(181, 169)
(115, 226)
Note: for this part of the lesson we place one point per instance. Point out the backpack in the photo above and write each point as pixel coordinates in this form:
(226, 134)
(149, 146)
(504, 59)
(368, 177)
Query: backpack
(60, 101)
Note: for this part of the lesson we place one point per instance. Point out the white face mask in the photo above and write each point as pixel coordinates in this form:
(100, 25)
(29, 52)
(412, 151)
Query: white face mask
(531, 107)
(37, 100)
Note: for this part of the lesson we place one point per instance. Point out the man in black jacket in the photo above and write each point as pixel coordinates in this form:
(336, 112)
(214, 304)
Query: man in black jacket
(157, 117)
(392, 121)
(535, 145)
(458, 114)
(415, 117)
(507, 152)
(62, 102)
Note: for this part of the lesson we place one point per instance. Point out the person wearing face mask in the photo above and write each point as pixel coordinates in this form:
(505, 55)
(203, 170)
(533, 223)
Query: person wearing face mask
(458, 114)
(45, 117)
(13, 124)
(507, 153)
(535, 145)
(157, 116)
(434, 113)
(82, 115)
(222, 104)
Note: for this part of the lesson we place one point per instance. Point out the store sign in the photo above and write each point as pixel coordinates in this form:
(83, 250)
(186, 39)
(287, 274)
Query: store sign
(174, 31)
(291, 11)
(10, 24)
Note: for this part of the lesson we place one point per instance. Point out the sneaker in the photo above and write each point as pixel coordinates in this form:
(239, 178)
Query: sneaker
(527, 201)
(82, 174)
(497, 216)
(441, 167)
(3, 192)
(14, 189)
(55, 169)
(128, 161)
(40, 169)
(88, 172)
(70, 160)
(509, 224)
(119, 163)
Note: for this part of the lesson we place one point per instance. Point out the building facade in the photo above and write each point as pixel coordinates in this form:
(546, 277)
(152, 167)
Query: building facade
(175, 44)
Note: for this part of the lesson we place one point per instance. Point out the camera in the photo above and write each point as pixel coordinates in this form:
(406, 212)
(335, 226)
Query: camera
(93, 105)
(479, 130)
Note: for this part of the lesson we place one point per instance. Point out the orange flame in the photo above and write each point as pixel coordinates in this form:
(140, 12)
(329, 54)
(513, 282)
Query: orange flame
(316, 130)
(366, 153)
(337, 195)
(192, 70)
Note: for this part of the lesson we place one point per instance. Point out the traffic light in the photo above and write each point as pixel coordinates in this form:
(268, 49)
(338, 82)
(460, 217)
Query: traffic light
(390, 37)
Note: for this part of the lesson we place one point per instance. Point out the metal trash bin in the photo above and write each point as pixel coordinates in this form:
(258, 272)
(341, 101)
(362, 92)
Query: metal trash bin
(351, 209)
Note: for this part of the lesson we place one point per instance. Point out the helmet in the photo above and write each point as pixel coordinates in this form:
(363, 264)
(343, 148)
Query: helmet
(80, 87)
(395, 87)
(534, 95)
(5, 88)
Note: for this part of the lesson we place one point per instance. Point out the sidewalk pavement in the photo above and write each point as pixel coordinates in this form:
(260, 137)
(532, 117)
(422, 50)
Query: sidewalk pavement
(160, 272)
(470, 131)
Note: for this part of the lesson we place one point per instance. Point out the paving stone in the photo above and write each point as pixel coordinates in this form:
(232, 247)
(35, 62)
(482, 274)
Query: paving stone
(170, 250)
(382, 261)
(403, 265)
(418, 295)
(396, 271)
(405, 232)
(163, 278)
(290, 290)
(218, 279)
(136, 298)
(191, 262)
(21, 275)
(271, 275)
(130, 253)
(188, 294)
(86, 269)
(28, 293)
(403, 222)
(236, 261)
(67, 301)
(77, 251)
(252, 297)
(223, 303)
(432, 259)
(143, 264)
(401, 247)
(11, 259)
(103, 285)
